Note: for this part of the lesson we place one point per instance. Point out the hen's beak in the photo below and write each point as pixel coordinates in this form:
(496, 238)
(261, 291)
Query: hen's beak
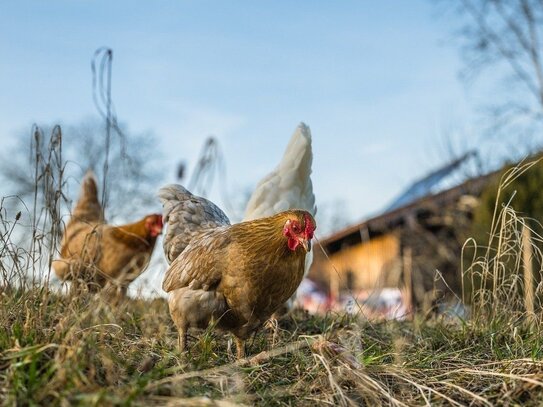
(306, 245)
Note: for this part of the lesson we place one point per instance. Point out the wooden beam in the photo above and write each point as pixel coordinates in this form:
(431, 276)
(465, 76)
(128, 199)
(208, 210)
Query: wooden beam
(408, 279)
(527, 257)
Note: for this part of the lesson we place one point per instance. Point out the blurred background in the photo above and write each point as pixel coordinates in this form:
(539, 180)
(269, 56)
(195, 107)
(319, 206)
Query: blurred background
(415, 109)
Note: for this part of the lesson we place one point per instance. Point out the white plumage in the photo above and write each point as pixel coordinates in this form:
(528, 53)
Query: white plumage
(288, 186)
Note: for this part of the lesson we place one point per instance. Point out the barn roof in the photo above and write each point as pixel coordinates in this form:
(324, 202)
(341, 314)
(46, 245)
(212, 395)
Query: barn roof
(438, 189)
(456, 172)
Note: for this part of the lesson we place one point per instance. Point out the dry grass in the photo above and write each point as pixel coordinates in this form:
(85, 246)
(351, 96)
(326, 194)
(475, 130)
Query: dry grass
(58, 349)
(80, 350)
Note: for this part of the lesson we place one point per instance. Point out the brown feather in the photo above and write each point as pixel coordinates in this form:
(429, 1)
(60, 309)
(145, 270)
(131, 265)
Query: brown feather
(99, 253)
(88, 208)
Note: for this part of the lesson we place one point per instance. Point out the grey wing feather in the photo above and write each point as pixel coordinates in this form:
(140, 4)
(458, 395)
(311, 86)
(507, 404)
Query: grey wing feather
(186, 216)
(200, 265)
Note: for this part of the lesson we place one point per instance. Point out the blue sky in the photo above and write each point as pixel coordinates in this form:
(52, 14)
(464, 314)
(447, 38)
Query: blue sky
(377, 82)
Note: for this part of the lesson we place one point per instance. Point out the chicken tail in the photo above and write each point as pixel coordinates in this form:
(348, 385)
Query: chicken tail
(289, 186)
(88, 208)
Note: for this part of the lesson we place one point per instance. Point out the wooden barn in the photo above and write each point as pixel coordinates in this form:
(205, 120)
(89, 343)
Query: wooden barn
(420, 232)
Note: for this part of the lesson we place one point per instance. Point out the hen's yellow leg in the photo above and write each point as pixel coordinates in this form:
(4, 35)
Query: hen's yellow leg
(240, 348)
(182, 340)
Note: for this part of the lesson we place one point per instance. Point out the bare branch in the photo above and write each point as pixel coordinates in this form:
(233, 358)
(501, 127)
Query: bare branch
(492, 37)
(534, 46)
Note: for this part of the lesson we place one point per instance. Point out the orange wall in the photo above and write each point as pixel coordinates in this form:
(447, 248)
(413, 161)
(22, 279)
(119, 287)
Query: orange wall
(375, 263)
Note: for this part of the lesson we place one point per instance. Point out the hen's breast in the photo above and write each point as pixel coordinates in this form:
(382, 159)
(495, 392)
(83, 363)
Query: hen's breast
(259, 289)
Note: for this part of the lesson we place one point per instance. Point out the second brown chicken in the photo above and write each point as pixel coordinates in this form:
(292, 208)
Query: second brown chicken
(98, 254)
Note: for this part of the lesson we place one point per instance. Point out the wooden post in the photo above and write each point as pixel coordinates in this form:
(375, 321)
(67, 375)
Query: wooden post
(408, 279)
(334, 286)
(528, 273)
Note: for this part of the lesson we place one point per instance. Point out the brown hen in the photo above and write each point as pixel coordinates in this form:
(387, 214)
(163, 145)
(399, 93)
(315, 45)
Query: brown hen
(235, 275)
(99, 254)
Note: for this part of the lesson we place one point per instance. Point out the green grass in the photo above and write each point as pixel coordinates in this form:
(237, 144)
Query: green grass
(69, 350)
(62, 350)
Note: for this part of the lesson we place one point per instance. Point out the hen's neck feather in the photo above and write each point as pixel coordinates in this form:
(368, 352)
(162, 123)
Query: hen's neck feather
(134, 233)
(264, 237)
